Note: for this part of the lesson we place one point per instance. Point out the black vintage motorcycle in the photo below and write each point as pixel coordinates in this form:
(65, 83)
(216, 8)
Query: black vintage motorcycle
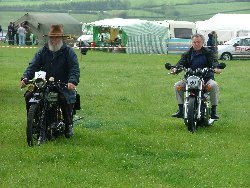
(197, 106)
(45, 114)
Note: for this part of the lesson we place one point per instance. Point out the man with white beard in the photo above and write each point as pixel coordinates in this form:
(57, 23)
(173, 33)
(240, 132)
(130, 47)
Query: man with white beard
(59, 61)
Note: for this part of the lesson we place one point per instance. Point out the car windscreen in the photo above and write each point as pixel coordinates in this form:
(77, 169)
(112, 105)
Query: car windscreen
(232, 41)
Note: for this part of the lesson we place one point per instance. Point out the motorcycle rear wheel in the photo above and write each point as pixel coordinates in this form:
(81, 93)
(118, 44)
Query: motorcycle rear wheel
(192, 115)
(32, 129)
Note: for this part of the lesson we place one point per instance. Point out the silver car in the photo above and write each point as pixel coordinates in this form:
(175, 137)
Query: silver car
(238, 47)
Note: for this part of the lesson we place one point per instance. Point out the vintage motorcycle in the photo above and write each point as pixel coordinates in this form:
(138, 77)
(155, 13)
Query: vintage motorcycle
(45, 114)
(196, 106)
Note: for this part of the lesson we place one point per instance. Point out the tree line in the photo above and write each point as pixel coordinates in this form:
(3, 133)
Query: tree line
(99, 5)
(104, 5)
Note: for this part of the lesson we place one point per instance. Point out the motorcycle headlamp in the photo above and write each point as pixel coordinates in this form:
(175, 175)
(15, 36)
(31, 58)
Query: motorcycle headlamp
(40, 83)
(193, 82)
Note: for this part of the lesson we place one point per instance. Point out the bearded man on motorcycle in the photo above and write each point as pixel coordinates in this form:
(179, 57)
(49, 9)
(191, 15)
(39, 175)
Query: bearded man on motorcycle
(198, 57)
(59, 61)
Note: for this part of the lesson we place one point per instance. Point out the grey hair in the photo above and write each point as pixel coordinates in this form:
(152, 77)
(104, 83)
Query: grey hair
(198, 35)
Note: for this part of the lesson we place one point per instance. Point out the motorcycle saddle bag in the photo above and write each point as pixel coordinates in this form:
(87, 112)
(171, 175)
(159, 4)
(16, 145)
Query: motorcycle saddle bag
(77, 105)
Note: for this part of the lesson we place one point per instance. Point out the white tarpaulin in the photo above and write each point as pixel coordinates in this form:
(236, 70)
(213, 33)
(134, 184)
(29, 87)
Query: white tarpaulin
(227, 26)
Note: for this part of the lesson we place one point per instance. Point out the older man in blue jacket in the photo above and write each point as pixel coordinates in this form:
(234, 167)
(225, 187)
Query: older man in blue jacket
(198, 57)
(59, 61)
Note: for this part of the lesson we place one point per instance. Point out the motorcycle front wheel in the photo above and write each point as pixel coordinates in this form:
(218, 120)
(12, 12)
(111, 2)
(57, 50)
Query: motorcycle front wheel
(32, 129)
(191, 115)
(207, 115)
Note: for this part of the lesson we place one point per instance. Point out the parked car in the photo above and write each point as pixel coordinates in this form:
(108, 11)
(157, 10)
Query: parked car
(238, 47)
(3, 36)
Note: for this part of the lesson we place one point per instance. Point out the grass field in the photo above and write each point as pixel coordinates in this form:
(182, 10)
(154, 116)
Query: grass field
(127, 137)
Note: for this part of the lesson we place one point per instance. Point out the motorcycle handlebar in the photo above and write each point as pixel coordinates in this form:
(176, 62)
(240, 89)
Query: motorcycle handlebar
(60, 84)
(221, 65)
(168, 66)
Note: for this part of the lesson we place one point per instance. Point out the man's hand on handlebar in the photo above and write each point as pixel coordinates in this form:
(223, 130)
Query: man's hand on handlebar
(173, 71)
(217, 70)
(71, 86)
(23, 83)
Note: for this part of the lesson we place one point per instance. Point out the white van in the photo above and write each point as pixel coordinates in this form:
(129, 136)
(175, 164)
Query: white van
(85, 38)
(238, 47)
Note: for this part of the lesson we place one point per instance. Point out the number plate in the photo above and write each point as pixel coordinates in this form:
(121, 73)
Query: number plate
(40, 74)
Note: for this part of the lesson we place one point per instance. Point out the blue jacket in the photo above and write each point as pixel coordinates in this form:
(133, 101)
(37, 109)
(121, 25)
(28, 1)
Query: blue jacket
(205, 59)
(62, 65)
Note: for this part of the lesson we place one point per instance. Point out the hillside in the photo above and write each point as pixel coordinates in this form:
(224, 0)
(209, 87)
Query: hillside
(87, 10)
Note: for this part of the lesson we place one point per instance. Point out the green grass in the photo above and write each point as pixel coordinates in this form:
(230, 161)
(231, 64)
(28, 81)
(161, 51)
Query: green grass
(127, 137)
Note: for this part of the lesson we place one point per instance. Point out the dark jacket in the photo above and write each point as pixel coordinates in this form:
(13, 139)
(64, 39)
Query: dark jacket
(62, 65)
(11, 30)
(210, 62)
(210, 41)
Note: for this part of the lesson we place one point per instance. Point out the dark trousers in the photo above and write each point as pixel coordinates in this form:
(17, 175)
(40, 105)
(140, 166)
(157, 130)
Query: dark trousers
(11, 39)
(67, 110)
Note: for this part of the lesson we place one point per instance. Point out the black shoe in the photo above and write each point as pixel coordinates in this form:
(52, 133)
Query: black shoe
(213, 113)
(178, 114)
(69, 131)
(214, 116)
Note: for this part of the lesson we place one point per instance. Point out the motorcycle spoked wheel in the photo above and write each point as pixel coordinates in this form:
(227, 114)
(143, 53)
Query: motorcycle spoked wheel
(32, 129)
(192, 115)
(49, 130)
(52, 131)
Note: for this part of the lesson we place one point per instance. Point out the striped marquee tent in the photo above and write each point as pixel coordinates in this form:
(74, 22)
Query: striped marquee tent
(139, 36)
(147, 38)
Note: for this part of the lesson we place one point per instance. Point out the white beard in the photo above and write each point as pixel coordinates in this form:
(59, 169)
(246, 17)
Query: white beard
(55, 48)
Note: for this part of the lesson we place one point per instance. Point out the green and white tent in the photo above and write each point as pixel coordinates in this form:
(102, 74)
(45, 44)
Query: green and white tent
(138, 36)
(39, 24)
